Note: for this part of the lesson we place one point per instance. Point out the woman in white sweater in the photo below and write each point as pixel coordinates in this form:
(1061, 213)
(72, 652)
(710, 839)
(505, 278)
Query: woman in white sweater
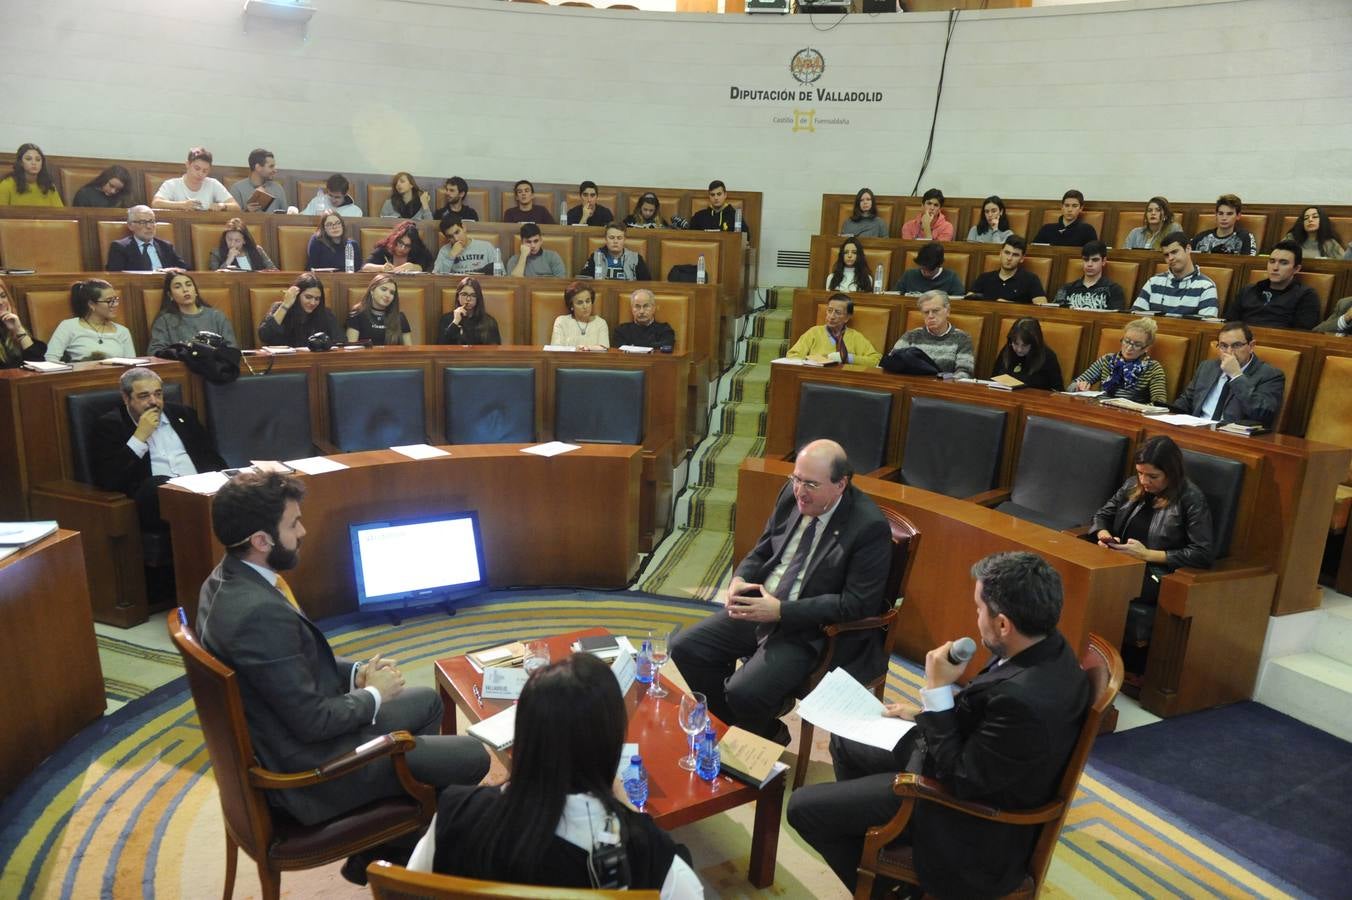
(91, 333)
(581, 328)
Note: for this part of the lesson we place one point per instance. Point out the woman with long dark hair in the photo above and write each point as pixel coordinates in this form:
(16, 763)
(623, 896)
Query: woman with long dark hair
(647, 213)
(402, 250)
(993, 226)
(17, 344)
(407, 200)
(469, 322)
(1316, 235)
(183, 313)
(30, 183)
(300, 313)
(238, 250)
(1027, 357)
(851, 272)
(377, 316)
(1157, 221)
(864, 220)
(91, 332)
(110, 189)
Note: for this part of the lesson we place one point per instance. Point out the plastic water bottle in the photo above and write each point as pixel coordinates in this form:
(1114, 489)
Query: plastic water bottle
(878, 285)
(636, 782)
(323, 207)
(600, 266)
(708, 762)
(498, 267)
(349, 257)
(563, 212)
(644, 663)
(701, 273)
(736, 218)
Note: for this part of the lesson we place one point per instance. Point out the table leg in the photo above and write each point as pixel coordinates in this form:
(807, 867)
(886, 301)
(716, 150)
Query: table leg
(765, 834)
(447, 710)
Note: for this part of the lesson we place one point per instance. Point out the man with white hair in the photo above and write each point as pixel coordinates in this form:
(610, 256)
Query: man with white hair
(142, 251)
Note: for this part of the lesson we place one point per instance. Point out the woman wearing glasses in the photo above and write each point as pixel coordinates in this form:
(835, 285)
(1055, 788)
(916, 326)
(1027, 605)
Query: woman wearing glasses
(92, 333)
(1130, 372)
(468, 323)
(402, 250)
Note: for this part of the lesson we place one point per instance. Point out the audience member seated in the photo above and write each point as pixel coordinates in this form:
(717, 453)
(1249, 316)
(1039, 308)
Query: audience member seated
(407, 200)
(17, 344)
(589, 212)
(455, 190)
(1160, 517)
(183, 314)
(1226, 237)
(300, 313)
(1069, 230)
(469, 322)
(1316, 235)
(949, 346)
(1027, 357)
(525, 209)
(994, 225)
(580, 328)
(333, 196)
(1129, 373)
(1278, 301)
(461, 254)
(644, 330)
(1181, 290)
(238, 251)
(195, 189)
(110, 189)
(142, 251)
(31, 182)
(930, 225)
(647, 213)
(1157, 222)
(1093, 289)
(1236, 386)
(615, 261)
(719, 215)
(402, 250)
(558, 804)
(835, 342)
(851, 271)
(378, 314)
(1339, 321)
(929, 274)
(328, 246)
(91, 333)
(262, 177)
(1002, 741)
(533, 260)
(1010, 282)
(864, 221)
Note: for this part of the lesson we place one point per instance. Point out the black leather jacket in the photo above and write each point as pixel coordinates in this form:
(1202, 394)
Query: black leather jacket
(1182, 529)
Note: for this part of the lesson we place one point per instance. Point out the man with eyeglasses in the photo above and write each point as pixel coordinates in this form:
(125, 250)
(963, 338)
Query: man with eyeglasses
(822, 559)
(142, 251)
(1182, 290)
(1236, 386)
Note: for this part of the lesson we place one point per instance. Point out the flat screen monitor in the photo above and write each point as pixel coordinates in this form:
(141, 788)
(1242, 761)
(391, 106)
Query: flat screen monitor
(410, 562)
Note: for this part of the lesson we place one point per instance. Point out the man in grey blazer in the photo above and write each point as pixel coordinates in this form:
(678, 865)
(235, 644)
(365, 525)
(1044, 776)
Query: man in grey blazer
(1236, 386)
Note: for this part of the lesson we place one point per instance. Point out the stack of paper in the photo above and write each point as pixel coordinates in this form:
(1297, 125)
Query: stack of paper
(492, 657)
(497, 731)
(1184, 419)
(22, 534)
(845, 707)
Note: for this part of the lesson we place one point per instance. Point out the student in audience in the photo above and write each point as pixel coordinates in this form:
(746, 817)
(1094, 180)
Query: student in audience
(864, 221)
(644, 330)
(1069, 230)
(91, 333)
(949, 346)
(1316, 235)
(719, 215)
(142, 251)
(1227, 236)
(929, 274)
(1339, 321)
(461, 254)
(333, 196)
(1130, 372)
(262, 176)
(851, 271)
(994, 225)
(183, 314)
(1027, 357)
(17, 344)
(589, 212)
(1182, 290)
(378, 315)
(111, 189)
(1010, 282)
(1093, 289)
(533, 260)
(1278, 301)
(580, 328)
(559, 803)
(1236, 386)
(836, 342)
(300, 313)
(930, 225)
(327, 248)
(647, 213)
(238, 250)
(406, 200)
(31, 182)
(402, 250)
(525, 209)
(1160, 517)
(613, 261)
(1157, 222)
(455, 190)
(195, 189)
(469, 322)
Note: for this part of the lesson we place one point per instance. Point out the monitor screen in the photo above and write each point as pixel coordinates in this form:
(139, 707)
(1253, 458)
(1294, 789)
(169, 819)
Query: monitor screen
(423, 560)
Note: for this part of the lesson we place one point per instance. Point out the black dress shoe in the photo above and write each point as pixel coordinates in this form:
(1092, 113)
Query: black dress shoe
(354, 869)
(781, 736)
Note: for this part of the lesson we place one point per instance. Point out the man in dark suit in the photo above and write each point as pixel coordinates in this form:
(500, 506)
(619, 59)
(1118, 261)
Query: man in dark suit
(142, 251)
(1003, 740)
(822, 559)
(1236, 386)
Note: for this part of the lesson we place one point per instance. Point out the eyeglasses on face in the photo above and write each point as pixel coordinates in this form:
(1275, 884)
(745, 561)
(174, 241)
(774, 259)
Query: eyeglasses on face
(142, 221)
(1222, 345)
(111, 301)
(1135, 345)
(804, 483)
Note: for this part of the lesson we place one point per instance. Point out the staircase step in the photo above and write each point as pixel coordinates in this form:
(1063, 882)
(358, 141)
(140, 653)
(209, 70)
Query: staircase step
(1333, 638)
(765, 349)
(746, 419)
(1311, 687)
(773, 323)
(713, 508)
(718, 468)
(750, 383)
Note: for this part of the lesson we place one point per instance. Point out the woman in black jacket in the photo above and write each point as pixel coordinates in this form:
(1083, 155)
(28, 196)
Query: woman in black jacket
(300, 313)
(469, 322)
(1027, 357)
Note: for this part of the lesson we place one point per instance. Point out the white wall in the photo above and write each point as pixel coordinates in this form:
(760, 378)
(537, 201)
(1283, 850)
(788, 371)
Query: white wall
(1120, 100)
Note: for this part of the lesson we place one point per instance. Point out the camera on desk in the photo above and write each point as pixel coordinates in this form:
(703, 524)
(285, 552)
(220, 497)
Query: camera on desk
(210, 338)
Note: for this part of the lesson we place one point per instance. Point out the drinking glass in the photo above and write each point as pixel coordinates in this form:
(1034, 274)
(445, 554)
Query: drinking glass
(537, 656)
(694, 715)
(660, 655)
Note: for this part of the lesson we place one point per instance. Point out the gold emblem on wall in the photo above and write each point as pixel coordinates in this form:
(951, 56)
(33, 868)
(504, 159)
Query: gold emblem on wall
(804, 120)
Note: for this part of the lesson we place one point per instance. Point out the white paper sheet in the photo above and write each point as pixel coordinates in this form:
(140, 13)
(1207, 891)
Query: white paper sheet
(420, 451)
(504, 683)
(202, 482)
(1184, 419)
(626, 670)
(560, 348)
(552, 448)
(845, 707)
(315, 465)
(1082, 393)
(634, 348)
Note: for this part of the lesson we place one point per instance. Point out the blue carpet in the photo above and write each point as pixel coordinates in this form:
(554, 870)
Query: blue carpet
(1268, 786)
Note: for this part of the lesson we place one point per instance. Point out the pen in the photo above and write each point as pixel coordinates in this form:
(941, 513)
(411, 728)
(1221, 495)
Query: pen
(478, 698)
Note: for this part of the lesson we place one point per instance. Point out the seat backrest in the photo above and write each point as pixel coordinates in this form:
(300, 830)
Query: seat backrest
(687, 251)
(46, 309)
(562, 244)
(599, 406)
(1091, 216)
(507, 200)
(1169, 350)
(912, 210)
(1066, 471)
(545, 306)
(499, 302)
(1222, 481)
(1041, 266)
(412, 303)
(261, 417)
(607, 197)
(855, 418)
(870, 321)
(1331, 410)
(882, 209)
(292, 243)
(73, 178)
(44, 245)
(966, 461)
(1319, 282)
(674, 309)
(489, 405)
(1063, 338)
(973, 325)
(905, 545)
(1254, 223)
(391, 882)
(82, 411)
(633, 241)
(475, 198)
(376, 408)
(1122, 273)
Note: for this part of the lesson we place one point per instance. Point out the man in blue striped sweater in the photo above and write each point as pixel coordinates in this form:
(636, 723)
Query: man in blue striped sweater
(1181, 291)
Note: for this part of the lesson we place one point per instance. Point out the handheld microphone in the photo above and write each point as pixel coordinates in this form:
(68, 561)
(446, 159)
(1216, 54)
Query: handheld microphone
(961, 651)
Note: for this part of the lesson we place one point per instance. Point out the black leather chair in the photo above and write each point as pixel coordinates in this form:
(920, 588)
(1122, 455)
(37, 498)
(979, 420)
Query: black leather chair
(83, 410)
(1222, 480)
(952, 448)
(1065, 472)
(852, 417)
(489, 405)
(372, 409)
(261, 417)
(599, 406)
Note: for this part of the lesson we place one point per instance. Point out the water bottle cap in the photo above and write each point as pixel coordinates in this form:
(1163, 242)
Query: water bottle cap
(636, 758)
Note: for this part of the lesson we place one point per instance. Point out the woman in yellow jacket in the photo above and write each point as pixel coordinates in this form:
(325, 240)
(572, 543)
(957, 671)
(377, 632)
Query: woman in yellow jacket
(31, 184)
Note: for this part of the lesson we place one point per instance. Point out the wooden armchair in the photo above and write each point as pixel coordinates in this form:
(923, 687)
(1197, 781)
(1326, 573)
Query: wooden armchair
(391, 882)
(1104, 666)
(276, 842)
